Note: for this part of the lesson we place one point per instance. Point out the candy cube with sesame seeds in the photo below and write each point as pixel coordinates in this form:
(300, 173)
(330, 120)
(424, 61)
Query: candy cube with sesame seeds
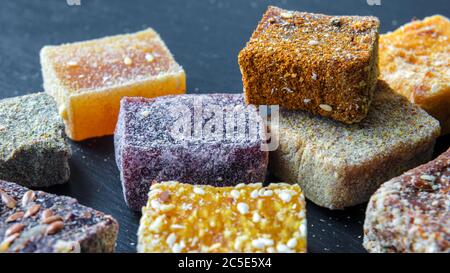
(245, 218)
(415, 61)
(326, 65)
(88, 79)
(196, 139)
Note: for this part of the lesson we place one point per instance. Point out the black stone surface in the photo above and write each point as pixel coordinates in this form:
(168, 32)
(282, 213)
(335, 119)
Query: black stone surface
(205, 36)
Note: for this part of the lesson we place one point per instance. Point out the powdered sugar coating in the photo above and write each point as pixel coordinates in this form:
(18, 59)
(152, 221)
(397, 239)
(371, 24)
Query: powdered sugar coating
(147, 149)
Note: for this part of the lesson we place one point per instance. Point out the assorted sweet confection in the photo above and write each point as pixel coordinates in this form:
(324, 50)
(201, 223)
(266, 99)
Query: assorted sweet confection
(33, 149)
(190, 139)
(338, 165)
(327, 65)
(88, 79)
(415, 61)
(39, 222)
(411, 213)
(245, 218)
(342, 132)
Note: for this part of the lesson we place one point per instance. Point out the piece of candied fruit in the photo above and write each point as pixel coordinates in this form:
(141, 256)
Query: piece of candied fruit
(198, 139)
(88, 79)
(415, 61)
(245, 218)
(327, 65)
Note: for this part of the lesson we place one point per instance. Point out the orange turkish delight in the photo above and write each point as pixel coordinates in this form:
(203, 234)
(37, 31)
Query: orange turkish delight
(88, 79)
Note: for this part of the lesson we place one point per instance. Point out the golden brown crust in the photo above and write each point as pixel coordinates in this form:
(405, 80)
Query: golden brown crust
(324, 64)
(415, 61)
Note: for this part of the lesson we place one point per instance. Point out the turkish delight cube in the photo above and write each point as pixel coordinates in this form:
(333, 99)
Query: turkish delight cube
(341, 165)
(33, 148)
(199, 139)
(39, 222)
(88, 79)
(326, 65)
(245, 218)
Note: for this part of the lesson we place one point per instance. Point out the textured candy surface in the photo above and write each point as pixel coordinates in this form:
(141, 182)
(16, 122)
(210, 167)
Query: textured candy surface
(39, 222)
(340, 165)
(149, 149)
(411, 213)
(327, 65)
(415, 61)
(245, 218)
(88, 79)
(33, 148)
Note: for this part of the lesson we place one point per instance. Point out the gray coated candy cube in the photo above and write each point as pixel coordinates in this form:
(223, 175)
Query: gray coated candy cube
(33, 148)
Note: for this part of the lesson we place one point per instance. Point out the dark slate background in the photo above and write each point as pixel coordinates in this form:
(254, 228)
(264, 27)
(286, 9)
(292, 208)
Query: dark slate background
(205, 36)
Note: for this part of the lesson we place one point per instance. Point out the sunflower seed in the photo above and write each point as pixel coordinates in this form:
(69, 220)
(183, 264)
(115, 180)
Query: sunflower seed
(14, 217)
(16, 228)
(32, 210)
(55, 227)
(28, 197)
(8, 200)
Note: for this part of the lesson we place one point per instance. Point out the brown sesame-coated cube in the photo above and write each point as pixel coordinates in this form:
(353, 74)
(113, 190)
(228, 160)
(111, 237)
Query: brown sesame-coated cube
(327, 65)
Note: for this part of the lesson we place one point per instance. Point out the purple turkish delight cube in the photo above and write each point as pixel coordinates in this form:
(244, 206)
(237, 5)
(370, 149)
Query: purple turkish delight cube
(212, 139)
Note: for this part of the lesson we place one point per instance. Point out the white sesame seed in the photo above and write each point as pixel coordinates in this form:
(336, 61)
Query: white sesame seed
(145, 113)
(254, 194)
(72, 63)
(256, 217)
(326, 107)
(127, 60)
(199, 191)
(268, 193)
(302, 229)
(186, 206)
(306, 101)
(313, 42)
(175, 226)
(314, 76)
(258, 244)
(171, 239)
(149, 57)
(155, 204)
(235, 194)
(285, 196)
(286, 15)
(292, 243)
(157, 224)
(282, 248)
(427, 177)
(242, 208)
(177, 248)
(241, 185)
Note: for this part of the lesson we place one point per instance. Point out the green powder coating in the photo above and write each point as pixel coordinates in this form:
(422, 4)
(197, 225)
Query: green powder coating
(33, 149)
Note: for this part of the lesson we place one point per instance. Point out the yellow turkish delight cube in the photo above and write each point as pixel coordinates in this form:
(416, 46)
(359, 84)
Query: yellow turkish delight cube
(245, 218)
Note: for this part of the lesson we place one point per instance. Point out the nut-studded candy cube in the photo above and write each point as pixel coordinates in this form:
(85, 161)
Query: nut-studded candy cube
(88, 79)
(196, 139)
(244, 218)
(415, 61)
(39, 222)
(33, 148)
(323, 64)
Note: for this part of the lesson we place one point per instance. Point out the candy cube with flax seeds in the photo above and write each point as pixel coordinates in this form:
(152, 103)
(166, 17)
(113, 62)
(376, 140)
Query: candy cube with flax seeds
(89, 78)
(327, 65)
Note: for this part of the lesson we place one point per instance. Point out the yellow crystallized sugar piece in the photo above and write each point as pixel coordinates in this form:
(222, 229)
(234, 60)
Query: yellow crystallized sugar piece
(246, 218)
(88, 79)
(415, 62)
